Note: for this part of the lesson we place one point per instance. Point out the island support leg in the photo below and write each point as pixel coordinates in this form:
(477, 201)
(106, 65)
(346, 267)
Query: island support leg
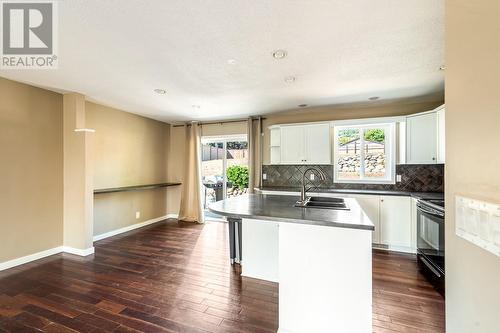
(234, 228)
(230, 224)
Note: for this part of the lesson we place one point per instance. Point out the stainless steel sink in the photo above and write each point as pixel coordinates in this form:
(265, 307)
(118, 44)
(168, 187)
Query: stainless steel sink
(325, 199)
(323, 203)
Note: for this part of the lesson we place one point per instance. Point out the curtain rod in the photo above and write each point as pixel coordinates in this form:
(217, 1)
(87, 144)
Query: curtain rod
(221, 122)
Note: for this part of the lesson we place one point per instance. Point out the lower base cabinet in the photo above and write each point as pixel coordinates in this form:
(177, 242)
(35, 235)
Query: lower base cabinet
(371, 206)
(260, 252)
(394, 218)
(396, 227)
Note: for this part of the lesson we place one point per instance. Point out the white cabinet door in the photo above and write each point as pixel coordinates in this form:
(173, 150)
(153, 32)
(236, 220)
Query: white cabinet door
(370, 205)
(414, 224)
(275, 136)
(317, 144)
(260, 249)
(275, 145)
(421, 139)
(292, 145)
(395, 222)
(441, 136)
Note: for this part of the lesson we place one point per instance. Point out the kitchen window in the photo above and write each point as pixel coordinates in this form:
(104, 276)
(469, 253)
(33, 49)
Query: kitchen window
(365, 153)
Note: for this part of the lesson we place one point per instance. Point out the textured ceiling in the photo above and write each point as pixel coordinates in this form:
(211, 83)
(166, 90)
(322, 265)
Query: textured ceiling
(118, 51)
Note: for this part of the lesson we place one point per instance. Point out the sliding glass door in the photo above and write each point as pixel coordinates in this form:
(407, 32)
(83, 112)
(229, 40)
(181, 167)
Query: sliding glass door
(224, 166)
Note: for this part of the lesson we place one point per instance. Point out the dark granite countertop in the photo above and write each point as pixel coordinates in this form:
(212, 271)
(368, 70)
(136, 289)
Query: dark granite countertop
(418, 195)
(280, 208)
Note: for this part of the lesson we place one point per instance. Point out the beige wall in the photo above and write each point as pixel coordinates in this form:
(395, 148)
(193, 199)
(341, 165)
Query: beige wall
(127, 150)
(31, 170)
(338, 113)
(222, 129)
(472, 134)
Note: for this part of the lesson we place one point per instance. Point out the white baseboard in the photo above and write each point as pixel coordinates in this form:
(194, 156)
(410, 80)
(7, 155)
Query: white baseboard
(29, 258)
(131, 227)
(42, 254)
(78, 252)
(395, 248)
(172, 216)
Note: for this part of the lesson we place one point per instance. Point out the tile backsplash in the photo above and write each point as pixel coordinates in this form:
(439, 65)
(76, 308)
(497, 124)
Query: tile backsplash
(414, 178)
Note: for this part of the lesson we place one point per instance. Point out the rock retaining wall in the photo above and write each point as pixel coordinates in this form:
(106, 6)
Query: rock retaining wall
(373, 163)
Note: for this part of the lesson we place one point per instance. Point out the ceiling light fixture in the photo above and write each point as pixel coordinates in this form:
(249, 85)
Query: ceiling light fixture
(195, 106)
(290, 79)
(442, 68)
(302, 105)
(374, 98)
(160, 91)
(231, 61)
(279, 54)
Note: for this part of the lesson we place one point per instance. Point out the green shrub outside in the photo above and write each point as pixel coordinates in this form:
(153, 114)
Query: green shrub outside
(237, 175)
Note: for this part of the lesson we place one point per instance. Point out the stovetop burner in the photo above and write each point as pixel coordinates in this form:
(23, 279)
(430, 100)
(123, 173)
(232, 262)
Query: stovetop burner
(433, 203)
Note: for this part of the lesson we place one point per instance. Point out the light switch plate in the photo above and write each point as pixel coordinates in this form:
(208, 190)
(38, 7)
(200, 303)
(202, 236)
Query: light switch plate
(137, 215)
(311, 177)
(478, 222)
(398, 178)
(264, 176)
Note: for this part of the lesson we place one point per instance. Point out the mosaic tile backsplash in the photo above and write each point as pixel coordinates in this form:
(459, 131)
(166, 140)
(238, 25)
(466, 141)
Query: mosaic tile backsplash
(414, 178)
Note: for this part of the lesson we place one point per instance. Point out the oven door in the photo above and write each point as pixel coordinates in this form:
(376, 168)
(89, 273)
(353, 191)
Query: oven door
(430, 235)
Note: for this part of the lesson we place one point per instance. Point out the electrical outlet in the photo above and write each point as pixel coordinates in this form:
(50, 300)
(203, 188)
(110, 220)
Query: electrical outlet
(398, 178)
(311, 177)
(137, 215)
(264, 176)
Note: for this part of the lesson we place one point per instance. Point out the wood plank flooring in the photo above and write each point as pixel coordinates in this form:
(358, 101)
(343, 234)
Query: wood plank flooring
(172, 277)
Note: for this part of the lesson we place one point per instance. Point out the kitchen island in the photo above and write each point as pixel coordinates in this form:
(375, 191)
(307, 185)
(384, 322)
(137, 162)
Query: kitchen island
(321, 258)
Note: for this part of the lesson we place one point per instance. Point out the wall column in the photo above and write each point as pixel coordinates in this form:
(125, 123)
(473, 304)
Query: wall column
(78, 181)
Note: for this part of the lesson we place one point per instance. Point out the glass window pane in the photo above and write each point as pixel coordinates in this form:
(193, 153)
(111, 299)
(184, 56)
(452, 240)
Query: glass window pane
(348, 154)
(212, 165)
(375, 153)
(237, 168)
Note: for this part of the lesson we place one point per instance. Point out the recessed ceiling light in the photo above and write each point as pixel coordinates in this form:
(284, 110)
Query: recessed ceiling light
(302, 105)
(279, 54)
(195, 106)
(374, 98)
(160, 91)
(290, 79)
(231, 61)
(442, 68)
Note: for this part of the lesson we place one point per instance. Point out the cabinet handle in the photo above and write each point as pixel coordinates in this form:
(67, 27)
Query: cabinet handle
(433, 158)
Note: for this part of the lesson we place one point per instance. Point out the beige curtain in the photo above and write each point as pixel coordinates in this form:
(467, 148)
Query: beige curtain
(254, 130)
(190, 209)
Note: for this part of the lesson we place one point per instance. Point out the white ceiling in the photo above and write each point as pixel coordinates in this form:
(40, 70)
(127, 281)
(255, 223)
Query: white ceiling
(117, 52)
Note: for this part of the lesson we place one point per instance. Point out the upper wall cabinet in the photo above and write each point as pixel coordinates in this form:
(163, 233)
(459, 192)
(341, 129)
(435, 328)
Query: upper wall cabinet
(425, 137)
(441, 136)
(301, 144)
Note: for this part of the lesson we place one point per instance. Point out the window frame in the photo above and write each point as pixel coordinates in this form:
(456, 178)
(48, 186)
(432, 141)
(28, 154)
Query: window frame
(390, 150)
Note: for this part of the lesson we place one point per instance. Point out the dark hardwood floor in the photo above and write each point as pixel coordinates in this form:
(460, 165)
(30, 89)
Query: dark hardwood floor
(172, 277)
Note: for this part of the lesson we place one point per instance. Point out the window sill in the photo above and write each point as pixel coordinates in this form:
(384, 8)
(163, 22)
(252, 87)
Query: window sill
(366, 182)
